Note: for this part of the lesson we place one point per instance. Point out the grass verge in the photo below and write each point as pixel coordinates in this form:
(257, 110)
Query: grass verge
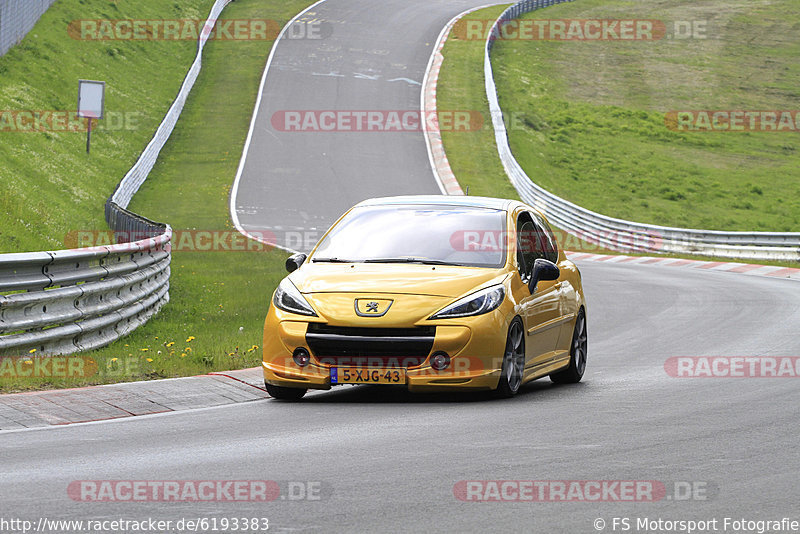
(218, 298)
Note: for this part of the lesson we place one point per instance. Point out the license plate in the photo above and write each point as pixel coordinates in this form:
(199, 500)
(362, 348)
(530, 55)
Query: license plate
(357, 375)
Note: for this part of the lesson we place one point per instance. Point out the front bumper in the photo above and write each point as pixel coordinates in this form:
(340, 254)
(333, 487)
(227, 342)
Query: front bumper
(475, 346)
(420, 379)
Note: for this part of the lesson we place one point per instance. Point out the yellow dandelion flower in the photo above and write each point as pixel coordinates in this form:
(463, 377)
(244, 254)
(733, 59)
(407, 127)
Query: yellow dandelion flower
(144, 350)
(183, 354)
(29, 362)
(31, 351)
(113, 359)
(149, 360)
(188, 349)
(170, 343)
(190, 339)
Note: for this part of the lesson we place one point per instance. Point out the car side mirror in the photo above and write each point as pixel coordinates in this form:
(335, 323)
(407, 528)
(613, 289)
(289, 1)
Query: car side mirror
(294, 262)
(542, 270)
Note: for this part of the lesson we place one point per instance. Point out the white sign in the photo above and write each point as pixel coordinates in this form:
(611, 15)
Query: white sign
(91, 99)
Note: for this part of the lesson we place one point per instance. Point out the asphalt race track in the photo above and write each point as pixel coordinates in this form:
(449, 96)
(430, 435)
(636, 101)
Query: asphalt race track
(390, 459)
(387, 461)
(374, 58)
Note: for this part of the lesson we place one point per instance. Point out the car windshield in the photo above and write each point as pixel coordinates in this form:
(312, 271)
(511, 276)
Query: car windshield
(426, 234)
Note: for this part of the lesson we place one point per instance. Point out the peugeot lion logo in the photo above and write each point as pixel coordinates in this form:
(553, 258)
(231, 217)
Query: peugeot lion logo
(372, 307)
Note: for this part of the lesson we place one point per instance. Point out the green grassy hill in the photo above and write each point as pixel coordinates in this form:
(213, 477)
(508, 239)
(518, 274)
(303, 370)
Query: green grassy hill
(589, 116)
(49, 186)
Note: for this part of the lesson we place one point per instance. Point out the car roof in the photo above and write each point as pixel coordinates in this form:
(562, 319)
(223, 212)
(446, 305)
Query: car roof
(442, 200)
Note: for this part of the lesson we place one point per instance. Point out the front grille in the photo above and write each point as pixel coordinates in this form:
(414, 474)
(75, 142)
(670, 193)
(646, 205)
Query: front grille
(370, 347)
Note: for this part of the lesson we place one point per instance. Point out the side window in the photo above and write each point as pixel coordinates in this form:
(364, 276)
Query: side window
(529, 244)
(549, 243)
(535, 240)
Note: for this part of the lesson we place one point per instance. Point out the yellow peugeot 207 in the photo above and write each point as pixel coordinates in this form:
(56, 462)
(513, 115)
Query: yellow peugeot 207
(431, 292)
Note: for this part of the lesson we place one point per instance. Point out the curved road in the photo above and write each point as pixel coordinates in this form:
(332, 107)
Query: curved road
(387, 461)
(373, 57)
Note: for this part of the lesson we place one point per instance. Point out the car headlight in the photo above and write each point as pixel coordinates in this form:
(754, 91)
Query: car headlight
(478, 303)
(288, 298)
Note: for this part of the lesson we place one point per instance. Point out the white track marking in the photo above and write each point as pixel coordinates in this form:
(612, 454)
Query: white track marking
(437, 47)
(235, 189)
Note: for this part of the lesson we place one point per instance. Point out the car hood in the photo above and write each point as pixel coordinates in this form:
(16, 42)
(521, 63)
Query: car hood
(409, 279)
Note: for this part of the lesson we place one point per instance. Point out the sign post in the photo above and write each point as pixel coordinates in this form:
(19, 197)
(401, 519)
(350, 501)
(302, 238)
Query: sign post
(91, 103)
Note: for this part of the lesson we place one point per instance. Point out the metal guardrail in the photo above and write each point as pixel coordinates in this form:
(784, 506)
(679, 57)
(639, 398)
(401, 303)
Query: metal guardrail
(618, 234)
(69, 301)
(75, 300)
(17, 18)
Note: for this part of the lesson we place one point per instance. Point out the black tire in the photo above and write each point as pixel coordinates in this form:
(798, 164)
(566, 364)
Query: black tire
(282, 393)
(513, 361)
(577, 354)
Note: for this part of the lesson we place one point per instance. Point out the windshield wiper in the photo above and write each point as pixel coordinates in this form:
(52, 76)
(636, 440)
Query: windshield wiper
(332, 260)
(424, 261)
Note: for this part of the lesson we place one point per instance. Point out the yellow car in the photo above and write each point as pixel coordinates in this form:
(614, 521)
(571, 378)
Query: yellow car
(435, 293)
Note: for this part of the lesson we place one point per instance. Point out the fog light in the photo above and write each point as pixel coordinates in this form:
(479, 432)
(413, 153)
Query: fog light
(301, 357)
(440, 361)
